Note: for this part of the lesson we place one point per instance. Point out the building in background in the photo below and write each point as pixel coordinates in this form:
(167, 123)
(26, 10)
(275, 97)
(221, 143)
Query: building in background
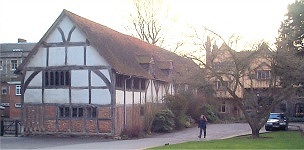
(11, 56)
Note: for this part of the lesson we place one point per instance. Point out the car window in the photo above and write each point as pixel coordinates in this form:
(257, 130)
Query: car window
(274, 116)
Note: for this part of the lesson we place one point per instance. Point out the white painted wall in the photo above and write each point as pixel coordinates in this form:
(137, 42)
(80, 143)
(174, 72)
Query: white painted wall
(36, 81)
(96, 80)
(39, 59)
(56, 96)
(75, 55)
(33, 96)
(80, 96)
(100, 96)
(94, 58)
(79, 78)
(56, 56)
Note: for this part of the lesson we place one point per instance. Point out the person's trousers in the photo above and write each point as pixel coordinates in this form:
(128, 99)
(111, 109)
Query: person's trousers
(201, 130)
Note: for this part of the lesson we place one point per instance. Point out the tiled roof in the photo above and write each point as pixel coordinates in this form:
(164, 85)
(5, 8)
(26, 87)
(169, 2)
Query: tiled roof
(125, 53)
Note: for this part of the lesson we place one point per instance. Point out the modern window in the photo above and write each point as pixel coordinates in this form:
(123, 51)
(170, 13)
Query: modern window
(14, 64)
(4, 90)
(18, 89)
(263, 74)
(57, 78)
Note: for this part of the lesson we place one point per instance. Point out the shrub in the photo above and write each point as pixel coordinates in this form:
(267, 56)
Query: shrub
(163, 121)
(210, 112)
(178, 104)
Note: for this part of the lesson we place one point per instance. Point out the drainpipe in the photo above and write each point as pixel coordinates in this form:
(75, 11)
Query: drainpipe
(125, 107)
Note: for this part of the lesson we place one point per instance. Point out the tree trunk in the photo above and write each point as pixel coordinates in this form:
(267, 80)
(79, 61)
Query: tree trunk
(255, 132)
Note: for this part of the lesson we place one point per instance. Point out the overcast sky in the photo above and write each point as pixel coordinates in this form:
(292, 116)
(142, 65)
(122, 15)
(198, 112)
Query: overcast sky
(252, 20)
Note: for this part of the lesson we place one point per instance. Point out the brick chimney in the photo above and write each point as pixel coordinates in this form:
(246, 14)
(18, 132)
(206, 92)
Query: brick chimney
(20, 40)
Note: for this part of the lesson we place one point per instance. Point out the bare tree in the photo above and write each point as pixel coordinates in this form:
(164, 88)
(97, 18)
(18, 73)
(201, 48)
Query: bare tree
(149, 21)
(237, 72)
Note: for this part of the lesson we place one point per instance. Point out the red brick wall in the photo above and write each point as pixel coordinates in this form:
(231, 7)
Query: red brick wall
(43, 118)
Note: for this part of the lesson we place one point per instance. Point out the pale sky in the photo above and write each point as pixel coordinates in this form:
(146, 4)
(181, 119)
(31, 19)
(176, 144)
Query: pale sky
(252, 20)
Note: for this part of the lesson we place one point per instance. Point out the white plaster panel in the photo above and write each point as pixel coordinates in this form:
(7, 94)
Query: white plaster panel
(129, 97)
(119, 97)
(100, 96)
(33, 96)
(36, 81)
(27, 74)
(75, 55)
(39, 59)
(66, 25)
(80, 96)
(79, 78)
(106, 73)
(56, 56)
(136, 97)
(94, 58)
(56, 96)
(54, 37)
(96, 80)
(77, 36)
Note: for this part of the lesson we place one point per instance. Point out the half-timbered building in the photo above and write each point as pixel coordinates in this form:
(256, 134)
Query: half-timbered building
(85, 78)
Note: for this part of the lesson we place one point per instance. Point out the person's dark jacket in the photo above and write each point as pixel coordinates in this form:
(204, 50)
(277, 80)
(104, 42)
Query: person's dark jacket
(202, 123)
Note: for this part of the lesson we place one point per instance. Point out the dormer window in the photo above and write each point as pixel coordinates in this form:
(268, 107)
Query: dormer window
(263, 74)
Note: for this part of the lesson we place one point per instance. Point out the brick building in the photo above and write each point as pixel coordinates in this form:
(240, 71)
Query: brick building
(11, 56)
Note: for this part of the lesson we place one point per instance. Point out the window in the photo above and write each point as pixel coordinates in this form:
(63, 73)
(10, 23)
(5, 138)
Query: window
(13, 64)
(77, 112)
(1, 65)
(18, 89)
(119, 81)
(223, 107)
(57, 78)
(299, 108)
(221, 85)
(263, 74)
(64, 111)
(91, 112)
(4, 90)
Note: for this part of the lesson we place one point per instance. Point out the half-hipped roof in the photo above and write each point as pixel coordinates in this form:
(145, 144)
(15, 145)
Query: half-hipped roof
(124, 53)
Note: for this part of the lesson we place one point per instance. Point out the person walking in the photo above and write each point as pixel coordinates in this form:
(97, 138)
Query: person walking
(202, 125)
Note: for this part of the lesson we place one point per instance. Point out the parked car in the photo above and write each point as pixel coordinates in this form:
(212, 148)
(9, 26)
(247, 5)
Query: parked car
(276, 121)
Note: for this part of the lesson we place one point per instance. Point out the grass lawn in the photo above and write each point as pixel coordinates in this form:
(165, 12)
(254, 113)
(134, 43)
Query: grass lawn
(271, 140)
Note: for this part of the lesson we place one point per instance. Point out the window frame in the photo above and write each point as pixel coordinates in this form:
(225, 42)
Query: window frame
(57, 78)
(1, 64)
(14, 65)
(18, 90)
(4, 88)
(263, 74)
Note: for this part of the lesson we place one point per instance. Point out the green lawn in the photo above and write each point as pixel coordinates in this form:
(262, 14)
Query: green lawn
(271, 140)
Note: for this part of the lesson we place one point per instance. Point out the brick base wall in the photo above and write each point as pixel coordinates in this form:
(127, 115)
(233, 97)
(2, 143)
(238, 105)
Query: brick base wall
(41, 119)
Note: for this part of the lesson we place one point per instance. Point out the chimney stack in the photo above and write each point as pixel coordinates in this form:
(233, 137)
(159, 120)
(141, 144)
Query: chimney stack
(20, 40)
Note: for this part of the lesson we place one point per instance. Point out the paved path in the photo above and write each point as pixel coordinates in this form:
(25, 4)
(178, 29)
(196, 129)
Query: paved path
(214, 131)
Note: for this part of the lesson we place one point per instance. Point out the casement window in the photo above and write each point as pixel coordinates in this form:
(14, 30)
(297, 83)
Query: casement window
(77, 112)
(14, 64)
(138, 83)
(223, 107)
(4, 90)
(1, 65)
(18, 89)
(119, 81)
(57, 78)
(221, 85)
(263, 74)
